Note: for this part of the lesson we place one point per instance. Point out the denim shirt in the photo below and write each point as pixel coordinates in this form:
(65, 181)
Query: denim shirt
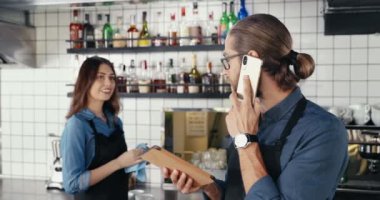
(78, 147)
(313, 158)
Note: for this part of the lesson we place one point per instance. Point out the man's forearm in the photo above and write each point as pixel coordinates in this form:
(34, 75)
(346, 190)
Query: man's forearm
(252, 165)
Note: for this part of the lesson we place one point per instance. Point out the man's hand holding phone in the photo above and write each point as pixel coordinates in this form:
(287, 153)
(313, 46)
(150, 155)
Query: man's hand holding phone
(244, 115)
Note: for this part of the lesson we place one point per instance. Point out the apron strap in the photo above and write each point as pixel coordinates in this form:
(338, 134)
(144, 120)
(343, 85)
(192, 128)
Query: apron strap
(92, 125)
(296, 115)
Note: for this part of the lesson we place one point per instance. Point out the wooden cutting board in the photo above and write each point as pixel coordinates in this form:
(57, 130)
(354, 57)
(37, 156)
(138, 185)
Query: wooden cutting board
(163, 158)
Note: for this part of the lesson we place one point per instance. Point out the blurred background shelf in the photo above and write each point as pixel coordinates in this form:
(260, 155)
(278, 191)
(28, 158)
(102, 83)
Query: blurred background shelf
(147, 49)
(171, 95)
(363, 127)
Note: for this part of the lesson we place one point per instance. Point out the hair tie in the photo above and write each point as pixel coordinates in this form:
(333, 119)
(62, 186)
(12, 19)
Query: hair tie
(291, 59)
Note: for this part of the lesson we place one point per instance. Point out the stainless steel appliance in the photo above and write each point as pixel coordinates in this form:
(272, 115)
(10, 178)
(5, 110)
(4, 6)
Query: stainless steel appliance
(17, 39)
(362, 177)
(56, 181)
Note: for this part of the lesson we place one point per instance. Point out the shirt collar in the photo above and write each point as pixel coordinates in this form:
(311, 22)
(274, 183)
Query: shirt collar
(89, 115)
(282, 108)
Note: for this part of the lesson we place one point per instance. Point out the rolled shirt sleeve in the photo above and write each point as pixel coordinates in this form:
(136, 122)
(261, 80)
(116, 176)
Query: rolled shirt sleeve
(75, 176)
(314, 169)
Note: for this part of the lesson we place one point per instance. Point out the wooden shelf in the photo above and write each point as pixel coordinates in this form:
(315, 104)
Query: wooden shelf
(147, 49)
(171, 95)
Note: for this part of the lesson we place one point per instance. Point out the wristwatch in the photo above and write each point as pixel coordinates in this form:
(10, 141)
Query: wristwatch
(242, 140)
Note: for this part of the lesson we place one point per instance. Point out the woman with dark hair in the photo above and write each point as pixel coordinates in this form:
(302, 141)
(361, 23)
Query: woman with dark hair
(93, 147)
(285, 146)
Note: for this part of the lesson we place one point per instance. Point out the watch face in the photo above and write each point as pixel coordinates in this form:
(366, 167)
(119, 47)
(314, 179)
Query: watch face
(241, 140)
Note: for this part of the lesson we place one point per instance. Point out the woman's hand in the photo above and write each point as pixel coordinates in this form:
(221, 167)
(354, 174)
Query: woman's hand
(243, 117)
(185, 183)
(129, 158)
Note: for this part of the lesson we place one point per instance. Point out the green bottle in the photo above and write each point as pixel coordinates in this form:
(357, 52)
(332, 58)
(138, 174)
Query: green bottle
(223, 25)
(232, 17)
(195, 79)
(107, 33)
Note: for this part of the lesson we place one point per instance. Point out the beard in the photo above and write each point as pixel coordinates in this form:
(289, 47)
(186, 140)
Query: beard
(259, 94)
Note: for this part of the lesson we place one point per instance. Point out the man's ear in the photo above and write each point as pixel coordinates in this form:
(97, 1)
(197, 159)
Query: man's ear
(253, 53)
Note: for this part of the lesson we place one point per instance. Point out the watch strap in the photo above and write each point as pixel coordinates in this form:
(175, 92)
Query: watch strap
(252, 138)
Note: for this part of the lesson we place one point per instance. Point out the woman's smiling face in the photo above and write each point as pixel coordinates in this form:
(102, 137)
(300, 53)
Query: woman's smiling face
(104, 84)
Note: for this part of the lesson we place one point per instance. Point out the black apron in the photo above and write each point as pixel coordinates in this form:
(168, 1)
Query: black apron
(115, 186)
(271, 155)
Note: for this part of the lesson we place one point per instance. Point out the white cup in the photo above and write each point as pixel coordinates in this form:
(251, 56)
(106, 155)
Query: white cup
(342, 113)
(375, 114)
(335, 111)
(133, 193)
(361, 113)
(347, 115)
(131, 196)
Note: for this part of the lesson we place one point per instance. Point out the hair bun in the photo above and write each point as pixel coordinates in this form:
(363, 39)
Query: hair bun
(305, 66)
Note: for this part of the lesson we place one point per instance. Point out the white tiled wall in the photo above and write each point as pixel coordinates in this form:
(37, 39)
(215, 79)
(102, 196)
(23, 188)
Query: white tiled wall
(34, 101)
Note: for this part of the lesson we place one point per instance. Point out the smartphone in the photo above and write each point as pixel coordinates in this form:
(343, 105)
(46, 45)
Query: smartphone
(250, 66)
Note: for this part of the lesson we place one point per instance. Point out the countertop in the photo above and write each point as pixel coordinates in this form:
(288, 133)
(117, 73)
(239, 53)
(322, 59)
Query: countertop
(24, 189)
(20, 189)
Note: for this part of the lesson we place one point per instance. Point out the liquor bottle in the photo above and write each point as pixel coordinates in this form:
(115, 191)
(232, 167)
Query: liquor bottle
(121, 76)
(232, 17)
(195, 29)
(173, 40)
(223, 25)
(224, 84)
(99, 32)
(133, 33)
(144, 78)
(174, 78)
(243, 13)
(211, 30)
(132, 80)
(209, 80)
(184, 29)
(159, 79)
(76, 29)
(107, 32)
(144, 38)
(159, 41)
(195, 79)
(183, 78)
(88, 33)
(118, 35)
(170, 77)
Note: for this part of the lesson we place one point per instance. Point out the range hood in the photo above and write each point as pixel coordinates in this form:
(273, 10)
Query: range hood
(17, 39)
(346, 17)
